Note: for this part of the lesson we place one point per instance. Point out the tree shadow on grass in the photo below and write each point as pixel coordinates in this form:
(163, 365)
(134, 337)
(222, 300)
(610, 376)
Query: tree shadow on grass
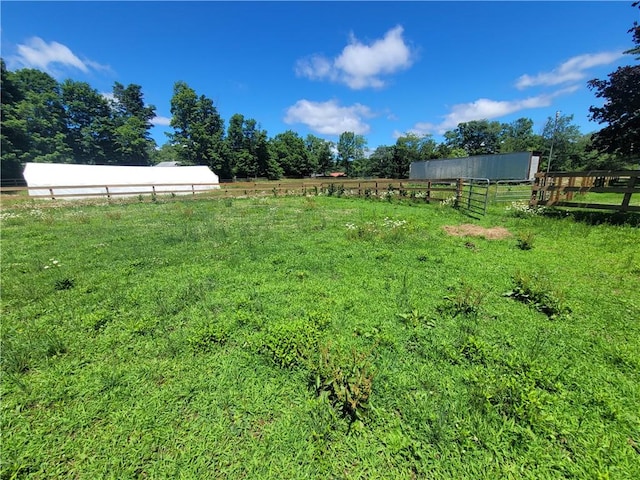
(591, 217)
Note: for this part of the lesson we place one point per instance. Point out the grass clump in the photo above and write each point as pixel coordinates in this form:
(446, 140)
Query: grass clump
(462, 299)
(538, 292)
(289, 342)
(346, 380)
(525, 241)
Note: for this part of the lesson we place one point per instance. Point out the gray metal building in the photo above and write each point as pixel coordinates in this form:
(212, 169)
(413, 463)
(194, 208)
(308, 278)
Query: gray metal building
(504, 166)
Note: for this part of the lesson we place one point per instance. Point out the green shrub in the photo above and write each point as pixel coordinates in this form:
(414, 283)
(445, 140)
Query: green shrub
(207, 335)
(536, 291)
(289, 342)
(525, 241)
(414, 319)
(512, 395)
(346, 379)
(463, 299)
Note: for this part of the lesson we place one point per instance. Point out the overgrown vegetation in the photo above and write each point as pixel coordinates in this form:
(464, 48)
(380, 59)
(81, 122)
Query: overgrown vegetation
(316, 337)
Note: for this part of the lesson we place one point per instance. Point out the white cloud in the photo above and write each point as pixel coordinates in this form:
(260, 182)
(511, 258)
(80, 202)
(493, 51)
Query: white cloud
(572, 70)
(161, 121)
(361, 65)
(484, 108)
(50, 57)
(329, 118)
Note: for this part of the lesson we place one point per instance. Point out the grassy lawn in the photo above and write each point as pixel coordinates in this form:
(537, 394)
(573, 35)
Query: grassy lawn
(316, 337)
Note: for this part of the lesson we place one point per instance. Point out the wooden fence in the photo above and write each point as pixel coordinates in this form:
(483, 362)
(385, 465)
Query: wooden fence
(561, 188)
(427, 190)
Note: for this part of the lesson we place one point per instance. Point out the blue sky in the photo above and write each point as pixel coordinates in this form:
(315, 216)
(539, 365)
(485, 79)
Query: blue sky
(376, 68)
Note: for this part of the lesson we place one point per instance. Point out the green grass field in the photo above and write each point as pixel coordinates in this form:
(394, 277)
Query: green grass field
(316, 337)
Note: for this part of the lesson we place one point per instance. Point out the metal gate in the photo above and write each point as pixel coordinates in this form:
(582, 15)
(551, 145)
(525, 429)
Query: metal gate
(512, 191)
(472, 196)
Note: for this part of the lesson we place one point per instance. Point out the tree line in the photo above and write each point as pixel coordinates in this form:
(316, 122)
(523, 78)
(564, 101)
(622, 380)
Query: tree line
(71, 122)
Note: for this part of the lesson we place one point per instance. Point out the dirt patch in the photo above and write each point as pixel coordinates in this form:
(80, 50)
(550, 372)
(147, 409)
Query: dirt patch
(468, 230)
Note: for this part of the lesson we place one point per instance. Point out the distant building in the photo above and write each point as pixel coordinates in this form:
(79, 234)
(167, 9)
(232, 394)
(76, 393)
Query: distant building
(504, 166)
(168, 164)
(63, 180)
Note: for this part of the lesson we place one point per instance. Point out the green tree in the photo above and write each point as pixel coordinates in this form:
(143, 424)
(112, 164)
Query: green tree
(565, 137)
(320, 154)
(621, 112)
(235, 142)
(446, 151)
(90, 132)
(13, 130)
(132, 122)
(248, 147)
(592, 159)
(477, 137)
(166, 153)
(635, 33)
(380, 163)
(267, 164)
(289, 150)
(621, 109)
(410, 148)
(518, 136)
(38, 119)
(350, 148)
(198, 135)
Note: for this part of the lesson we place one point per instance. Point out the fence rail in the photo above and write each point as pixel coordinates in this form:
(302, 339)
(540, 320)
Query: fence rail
(359, 187)
(512, 190)
(79, 191)
(561, 188)
(466, 192)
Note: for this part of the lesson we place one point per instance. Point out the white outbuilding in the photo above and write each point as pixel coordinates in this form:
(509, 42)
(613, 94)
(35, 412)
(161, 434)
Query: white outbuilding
(60, 180)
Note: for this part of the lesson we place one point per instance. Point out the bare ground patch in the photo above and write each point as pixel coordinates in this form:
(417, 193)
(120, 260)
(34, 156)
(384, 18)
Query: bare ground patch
(468, 230)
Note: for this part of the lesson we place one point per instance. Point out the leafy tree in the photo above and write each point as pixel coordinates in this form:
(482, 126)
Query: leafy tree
(198, 135)
(590, 159)
(38, 119)
(13, 130)
(446, 151)
(166, 153)
(248, 148)
(379, 164)
(267, 164)
(565, 136)
(635, 33)
(290, 151)
(410, 148)
(90, 133)
(350, 148)
(132, 122)
(477, 137)
(518, 136)
(621, 110)
(320, 153)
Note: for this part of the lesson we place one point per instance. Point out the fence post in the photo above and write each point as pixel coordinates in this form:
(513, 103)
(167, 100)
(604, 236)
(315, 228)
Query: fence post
(572, 183)
(428, 192)
(627, 196)
(535, 193)
(51, 192)
(458, 191)
(470, 192)
(106, 187)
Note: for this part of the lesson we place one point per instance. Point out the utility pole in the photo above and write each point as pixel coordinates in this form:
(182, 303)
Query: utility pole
(553, 138)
